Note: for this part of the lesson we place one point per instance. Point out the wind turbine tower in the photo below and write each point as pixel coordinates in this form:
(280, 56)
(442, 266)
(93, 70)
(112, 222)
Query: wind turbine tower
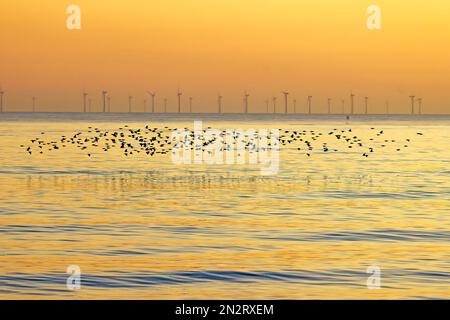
(153, 95)
(419, 100)
(352, 103)
(179, 100)
(219, 101)
(1, 99)
(104, 93)
(274, 99)
(412, 103)
(366, 99)
(329, 105)
(309, 104)
(286, 94)
(246, 95)
(84, 101)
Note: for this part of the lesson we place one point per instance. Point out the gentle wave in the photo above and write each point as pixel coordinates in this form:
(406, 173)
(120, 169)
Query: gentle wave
(383, 235)
(51, 283)
(397, 235)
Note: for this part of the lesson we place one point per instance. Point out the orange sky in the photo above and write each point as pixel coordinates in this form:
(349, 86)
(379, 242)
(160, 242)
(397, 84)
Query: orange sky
(321, 48)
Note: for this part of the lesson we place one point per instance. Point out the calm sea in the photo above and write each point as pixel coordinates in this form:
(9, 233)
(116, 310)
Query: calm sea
(142, 227)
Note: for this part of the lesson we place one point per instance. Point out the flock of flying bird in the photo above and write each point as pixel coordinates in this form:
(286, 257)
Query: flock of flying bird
(152, 141)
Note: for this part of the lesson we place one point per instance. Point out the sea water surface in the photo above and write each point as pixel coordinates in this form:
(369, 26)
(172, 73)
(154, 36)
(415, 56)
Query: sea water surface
(146, 228)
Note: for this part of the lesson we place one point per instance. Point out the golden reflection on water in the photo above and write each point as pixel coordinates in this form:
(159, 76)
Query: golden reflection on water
(141, 228)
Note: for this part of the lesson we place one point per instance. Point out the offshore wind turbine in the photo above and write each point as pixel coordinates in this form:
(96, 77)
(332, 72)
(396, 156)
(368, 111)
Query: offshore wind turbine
(179, 100)
(309, 104)
(412, 103)
(219, 101)
(153, 95)
(246, 95)
(420, 105)
(343, 106)
(104, 93)
(274, 99)
(286, 93)
(1, 99)
(352, 103)
(130, 99)
(329, 105)
(33, 106)
(366, 100)
(84, 101)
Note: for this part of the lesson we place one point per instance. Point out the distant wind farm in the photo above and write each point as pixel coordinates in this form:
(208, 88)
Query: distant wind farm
(268, 106)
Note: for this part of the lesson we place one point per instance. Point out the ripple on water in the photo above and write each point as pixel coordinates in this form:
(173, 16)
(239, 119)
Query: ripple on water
(51, 283)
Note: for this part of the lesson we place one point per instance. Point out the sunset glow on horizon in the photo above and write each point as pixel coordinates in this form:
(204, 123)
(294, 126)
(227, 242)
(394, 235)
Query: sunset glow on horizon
(320, 48)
